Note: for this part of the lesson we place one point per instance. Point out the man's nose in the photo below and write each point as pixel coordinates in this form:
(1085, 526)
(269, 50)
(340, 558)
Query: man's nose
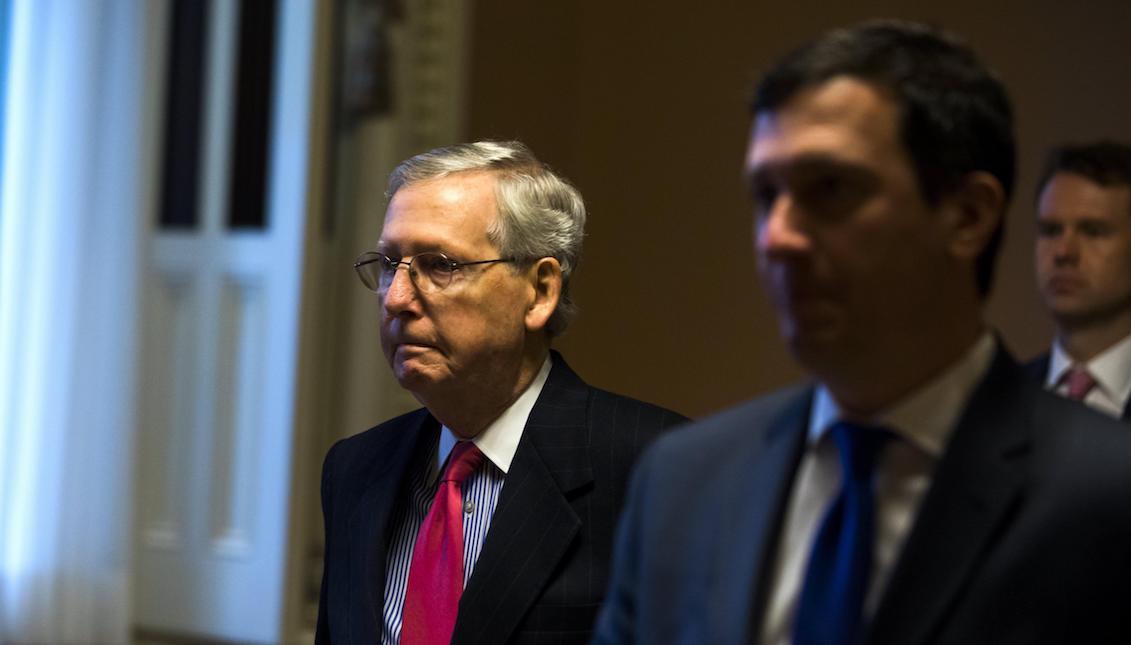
(401, 293)
(1067, 247)
(779, 231)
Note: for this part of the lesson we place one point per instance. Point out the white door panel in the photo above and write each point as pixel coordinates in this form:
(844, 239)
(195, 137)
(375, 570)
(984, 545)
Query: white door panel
(218, 369)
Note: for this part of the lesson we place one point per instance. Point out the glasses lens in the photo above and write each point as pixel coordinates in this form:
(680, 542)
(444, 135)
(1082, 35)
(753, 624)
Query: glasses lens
(385, 269)
(436, 270)
(368, 269)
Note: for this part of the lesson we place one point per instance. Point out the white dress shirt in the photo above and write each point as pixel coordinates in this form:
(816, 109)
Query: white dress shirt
(498, 444)
(922, 423)
(1111, 369)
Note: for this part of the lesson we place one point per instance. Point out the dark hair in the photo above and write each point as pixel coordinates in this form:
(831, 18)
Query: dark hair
(1105, 162)
(955, 116)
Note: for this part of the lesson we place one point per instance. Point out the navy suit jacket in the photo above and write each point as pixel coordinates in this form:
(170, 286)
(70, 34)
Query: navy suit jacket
(1038, 368)
(1023, 537)
(544, 566)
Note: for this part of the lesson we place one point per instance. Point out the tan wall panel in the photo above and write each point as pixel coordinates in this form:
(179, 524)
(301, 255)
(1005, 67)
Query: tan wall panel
(642, 105)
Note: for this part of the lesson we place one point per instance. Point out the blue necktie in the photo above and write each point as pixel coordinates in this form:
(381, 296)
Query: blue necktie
(830, 606)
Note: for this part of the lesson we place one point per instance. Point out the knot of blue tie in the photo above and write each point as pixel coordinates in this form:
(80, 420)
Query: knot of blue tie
(831, 603)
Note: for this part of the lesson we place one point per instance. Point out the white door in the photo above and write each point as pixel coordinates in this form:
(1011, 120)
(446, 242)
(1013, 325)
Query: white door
(221, 303)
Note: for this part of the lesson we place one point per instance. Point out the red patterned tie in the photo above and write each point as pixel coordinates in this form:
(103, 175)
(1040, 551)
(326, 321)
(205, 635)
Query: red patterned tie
(1080, 382)
(435, 578)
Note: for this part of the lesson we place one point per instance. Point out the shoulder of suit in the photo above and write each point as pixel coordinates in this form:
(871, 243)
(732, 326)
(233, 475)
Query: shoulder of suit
(1080, 457)
(1037, 367)
(649, 413)
(603, 405)
(407, 419)
(1087, 443)
(362, 443)
(744, 422)
(1055, 414)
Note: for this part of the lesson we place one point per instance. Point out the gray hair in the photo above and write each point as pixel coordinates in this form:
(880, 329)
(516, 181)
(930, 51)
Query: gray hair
(540, 213)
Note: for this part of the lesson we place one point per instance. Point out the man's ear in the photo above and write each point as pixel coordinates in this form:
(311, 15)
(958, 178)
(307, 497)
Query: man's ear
(977, 209)
(545, 277)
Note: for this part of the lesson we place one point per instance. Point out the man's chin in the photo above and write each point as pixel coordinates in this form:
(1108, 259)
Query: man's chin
(1080, 316)
(416, 377)
(1074, 304)
(814, 330)
(816, 346)
(811, 349)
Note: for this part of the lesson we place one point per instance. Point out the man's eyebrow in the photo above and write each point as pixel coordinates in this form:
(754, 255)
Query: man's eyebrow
(1075, 217)
(800, 165)
(764, 173)
(1092, 220)
(386, 247)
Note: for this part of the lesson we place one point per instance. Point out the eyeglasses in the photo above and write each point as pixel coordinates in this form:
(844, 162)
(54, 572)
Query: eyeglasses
(429, 272)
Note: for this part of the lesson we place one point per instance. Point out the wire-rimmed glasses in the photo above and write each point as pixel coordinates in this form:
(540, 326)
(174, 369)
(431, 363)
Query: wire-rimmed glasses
(429, 272)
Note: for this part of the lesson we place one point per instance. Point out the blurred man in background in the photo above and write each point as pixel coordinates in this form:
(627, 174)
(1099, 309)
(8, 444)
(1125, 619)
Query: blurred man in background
(1084, 274)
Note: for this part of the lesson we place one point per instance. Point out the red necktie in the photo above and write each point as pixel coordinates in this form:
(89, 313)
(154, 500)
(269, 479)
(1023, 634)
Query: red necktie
(1080, 382)
(435, 578)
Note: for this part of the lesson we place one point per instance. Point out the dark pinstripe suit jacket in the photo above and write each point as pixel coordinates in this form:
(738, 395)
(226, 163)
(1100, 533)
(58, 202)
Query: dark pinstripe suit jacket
(1038, 368)
(544, 566)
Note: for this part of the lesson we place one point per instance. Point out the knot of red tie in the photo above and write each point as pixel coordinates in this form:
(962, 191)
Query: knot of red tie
(1080, 382)
(465, 458)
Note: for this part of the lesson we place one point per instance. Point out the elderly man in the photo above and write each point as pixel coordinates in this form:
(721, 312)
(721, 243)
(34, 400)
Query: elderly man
(1084, 274)
(486, 516)
(924, 489)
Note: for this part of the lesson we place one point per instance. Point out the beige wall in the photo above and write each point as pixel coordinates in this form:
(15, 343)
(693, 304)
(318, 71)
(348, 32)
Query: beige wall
(642, 105)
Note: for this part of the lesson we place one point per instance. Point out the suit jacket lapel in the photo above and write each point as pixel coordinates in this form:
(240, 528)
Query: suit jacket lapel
(976, 483)
(534, 524)
(1038, 368)
(370, 521)
(744, 559)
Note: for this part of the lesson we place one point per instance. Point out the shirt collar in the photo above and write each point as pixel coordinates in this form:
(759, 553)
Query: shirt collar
(500, 440)
(1111, 368)
(926, 416)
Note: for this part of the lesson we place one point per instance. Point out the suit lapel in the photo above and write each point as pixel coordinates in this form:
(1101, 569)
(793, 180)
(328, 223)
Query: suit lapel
(978, 480)
(369, 522)
(744, 560)
(534, 524)
(1038, 368)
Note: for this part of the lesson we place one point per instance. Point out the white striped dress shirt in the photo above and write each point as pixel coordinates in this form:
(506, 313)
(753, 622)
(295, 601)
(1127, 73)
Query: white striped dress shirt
(480, 495)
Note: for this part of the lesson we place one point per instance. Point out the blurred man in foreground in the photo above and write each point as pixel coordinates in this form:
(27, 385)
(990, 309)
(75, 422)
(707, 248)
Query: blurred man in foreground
(924, 489)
